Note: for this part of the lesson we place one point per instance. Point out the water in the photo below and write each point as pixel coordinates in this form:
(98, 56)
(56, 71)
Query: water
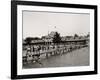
(79, 57)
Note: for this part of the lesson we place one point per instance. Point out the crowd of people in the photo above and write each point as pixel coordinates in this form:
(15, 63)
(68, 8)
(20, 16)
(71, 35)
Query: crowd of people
(32, 53)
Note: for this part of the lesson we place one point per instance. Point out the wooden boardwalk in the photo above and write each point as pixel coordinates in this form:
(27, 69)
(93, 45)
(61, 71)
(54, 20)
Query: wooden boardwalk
(79, 57)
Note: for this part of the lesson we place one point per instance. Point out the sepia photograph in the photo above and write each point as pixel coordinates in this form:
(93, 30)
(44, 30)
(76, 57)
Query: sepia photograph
(55, 39)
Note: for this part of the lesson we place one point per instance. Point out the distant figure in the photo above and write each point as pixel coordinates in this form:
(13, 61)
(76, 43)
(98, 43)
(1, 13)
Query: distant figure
(33, 49)
(39, 48)
(70, 48)
(28, 55)
(36, 58)
(28, 49)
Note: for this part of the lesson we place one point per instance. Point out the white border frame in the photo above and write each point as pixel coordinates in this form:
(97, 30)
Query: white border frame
(21, 71)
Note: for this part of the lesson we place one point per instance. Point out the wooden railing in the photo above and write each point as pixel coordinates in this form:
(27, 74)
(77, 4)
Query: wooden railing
(50, 52)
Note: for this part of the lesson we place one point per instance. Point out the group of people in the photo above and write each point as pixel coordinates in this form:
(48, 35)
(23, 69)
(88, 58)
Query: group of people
(33, 52)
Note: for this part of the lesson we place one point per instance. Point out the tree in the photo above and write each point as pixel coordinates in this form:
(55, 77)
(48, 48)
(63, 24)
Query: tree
(75, 36)
(28, 40)
(88, 35)
(56, 38)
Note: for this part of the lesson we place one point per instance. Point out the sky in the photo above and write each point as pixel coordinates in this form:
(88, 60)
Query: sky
(37, 24)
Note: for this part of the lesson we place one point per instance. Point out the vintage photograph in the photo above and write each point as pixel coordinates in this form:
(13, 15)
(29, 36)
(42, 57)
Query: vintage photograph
(55, 39)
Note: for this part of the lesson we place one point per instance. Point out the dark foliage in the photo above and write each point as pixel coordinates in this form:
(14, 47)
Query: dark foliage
(56, 38)
(28, 40)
